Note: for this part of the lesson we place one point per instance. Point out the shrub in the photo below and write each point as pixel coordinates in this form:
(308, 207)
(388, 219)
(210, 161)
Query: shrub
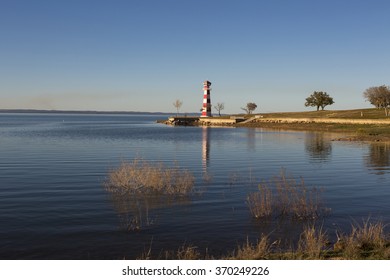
(285, 196)
(140, 176)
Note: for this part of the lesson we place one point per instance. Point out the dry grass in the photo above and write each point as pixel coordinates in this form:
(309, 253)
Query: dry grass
(134, 211)
(136, 220)
(259, 251)
(284, 196)
(139, 186)
(187, 253)
(367, 241)
(260, 202)
(141, 176)
(312, 243)
(364, 242)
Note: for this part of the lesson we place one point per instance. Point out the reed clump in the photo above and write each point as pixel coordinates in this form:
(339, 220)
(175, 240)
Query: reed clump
(258, 251)
(141, 176)
(285, 196)
(312, 243)
(366, 241)
(260, 203)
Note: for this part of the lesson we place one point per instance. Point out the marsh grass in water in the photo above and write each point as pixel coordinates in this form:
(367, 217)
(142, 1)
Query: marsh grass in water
(136, 218)
(260, 203)
(136, 188)
(137, 212)
(141, 176)
(285, 196)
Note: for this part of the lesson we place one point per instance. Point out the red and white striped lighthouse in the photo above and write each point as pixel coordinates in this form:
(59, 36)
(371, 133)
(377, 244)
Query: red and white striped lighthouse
(206, 109)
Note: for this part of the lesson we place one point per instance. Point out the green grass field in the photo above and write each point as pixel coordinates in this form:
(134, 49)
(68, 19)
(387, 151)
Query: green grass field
(336, 114)
(354, 132)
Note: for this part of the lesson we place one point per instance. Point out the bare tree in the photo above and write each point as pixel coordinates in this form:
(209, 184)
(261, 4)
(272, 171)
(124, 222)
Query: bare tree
(219, 107)
(177, 104)
(379, 97)
(250, 107)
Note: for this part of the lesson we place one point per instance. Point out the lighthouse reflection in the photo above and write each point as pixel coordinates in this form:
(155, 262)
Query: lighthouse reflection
(205, 148)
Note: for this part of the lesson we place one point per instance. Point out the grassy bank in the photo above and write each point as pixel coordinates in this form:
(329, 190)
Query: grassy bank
(355, 125)
(362, 132)
(375, 114)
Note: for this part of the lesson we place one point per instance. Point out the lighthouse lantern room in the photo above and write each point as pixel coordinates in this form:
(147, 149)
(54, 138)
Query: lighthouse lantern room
(206, 109)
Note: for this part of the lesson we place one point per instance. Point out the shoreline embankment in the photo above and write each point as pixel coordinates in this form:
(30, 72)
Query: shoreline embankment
(242, 121)
(202, 121)
(319, 120)
(377, 130)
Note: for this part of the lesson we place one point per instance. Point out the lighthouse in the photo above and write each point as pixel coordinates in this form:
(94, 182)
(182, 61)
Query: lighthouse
(206, 109)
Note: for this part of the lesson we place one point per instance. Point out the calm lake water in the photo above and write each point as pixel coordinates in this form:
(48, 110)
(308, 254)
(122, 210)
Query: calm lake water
(53, 204)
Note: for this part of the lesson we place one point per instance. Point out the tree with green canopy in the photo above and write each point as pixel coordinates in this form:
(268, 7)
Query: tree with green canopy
(250, 107)
(319, 99)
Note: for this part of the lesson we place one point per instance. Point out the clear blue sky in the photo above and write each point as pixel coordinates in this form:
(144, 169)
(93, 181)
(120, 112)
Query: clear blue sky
(141, 55)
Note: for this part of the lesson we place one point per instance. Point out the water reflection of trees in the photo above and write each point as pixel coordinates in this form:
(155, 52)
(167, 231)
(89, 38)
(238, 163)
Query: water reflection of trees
(251, 139)
(317, 146)
(378, 158)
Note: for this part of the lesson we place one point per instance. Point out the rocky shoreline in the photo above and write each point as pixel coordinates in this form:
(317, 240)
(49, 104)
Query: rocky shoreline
(202, 121)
